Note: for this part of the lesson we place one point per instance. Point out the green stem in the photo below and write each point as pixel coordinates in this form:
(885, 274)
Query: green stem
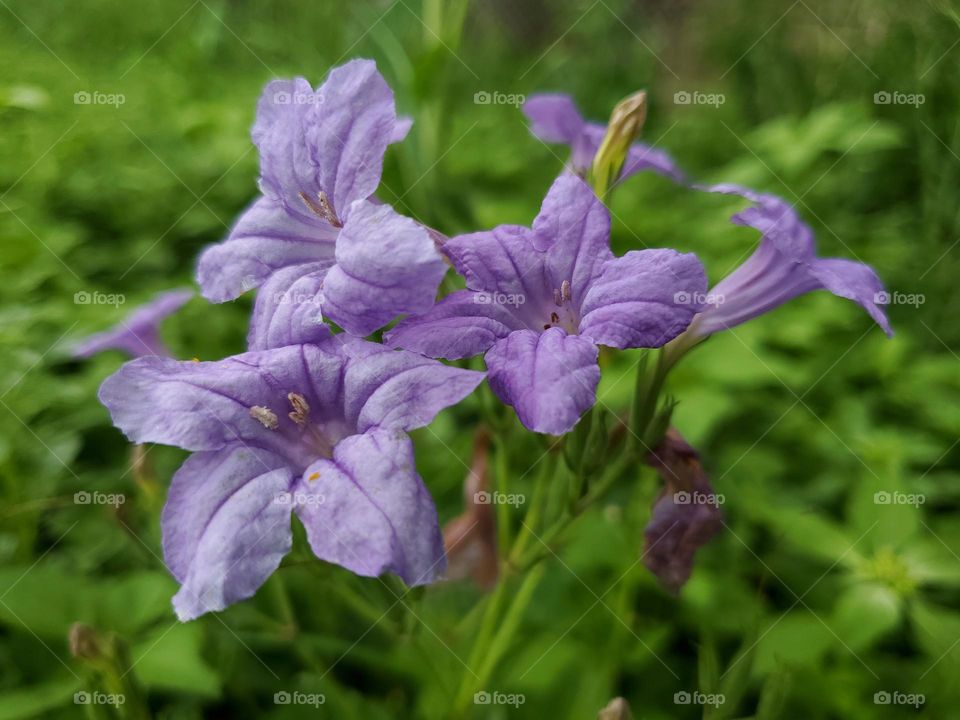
(501, 470)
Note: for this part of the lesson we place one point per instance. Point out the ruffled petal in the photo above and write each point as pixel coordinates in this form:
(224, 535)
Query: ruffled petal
(367, 509)
(549, 378)
(463, 324)
(502, 260)
(288, 310)
(265, 239)
(387, 265)
(225, 526)
(643, 299)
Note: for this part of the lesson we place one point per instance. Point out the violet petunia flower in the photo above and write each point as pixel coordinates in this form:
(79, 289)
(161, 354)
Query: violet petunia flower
(319, 430)
(554, 118)
(784, 266)
(539, 301)
(137, 334)
(316, 242)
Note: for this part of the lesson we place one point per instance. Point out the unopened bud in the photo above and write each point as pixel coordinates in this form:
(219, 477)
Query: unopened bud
(625, 125)
(616, 709)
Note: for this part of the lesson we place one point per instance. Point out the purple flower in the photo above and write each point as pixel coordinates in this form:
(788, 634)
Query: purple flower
(555, 119)
(314, 429)
(539, 301)
(137, 334)
(784, 266)
(316, 226)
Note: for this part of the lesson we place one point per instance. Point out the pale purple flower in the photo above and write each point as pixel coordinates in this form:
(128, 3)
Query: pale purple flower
(319, 430)
(554, 118)
(317, 237)
(539, 301)
(137, 334)
(784, 266)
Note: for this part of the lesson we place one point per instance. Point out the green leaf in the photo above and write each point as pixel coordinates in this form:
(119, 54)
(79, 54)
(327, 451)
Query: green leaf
(864, 613)
(35, 700)
(171, 659)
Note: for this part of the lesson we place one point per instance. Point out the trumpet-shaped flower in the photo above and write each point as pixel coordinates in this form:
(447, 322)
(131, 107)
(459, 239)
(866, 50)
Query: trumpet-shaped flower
(137, 334)
(316, 242)
(319, 430)
(784, 265)
(539, 300)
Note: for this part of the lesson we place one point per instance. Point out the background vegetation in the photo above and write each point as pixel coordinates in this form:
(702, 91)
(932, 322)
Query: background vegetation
(811, 600)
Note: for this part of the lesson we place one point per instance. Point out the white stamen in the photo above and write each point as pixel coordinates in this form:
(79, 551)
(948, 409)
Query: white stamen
(266, 417)
(301, 410)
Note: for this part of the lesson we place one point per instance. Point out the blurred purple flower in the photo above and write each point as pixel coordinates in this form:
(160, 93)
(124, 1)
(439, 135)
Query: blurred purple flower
(685, 516)
(314, 429)
(554, 118)
(137, 334)
(316, 242)
(784, 266)
(539, 301)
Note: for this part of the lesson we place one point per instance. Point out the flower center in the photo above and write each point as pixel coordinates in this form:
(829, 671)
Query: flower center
(563, 315)
(322, 207)
(316, 438)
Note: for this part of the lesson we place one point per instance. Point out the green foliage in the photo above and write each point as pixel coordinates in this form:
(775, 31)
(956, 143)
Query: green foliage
(815, 596)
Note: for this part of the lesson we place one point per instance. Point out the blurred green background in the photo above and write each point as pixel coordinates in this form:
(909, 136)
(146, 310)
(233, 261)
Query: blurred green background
(814, 597)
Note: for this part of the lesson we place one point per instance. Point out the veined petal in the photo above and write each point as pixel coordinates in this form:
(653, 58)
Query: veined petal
(573, 228)
(502, 260)
(463, 324)
(643, 299)
(288, 310)
(549, 378)
(367, 509)
(387, 265)
(224, 529)
(265, 239)
(400, 389)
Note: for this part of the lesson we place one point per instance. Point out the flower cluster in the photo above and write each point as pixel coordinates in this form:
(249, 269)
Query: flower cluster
(312, 419)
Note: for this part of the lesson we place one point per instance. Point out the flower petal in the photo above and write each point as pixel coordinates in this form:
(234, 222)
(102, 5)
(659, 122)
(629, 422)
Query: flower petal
(549, 378)
(643, 299)
(854, 281)
(387, 264)
(463, 324)
(401, 128)
(265, 239)
(553, 117)
(224, 531)
(502, 260)
(288, 310)
(400, 389)
(573, 227)
(367, 510)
